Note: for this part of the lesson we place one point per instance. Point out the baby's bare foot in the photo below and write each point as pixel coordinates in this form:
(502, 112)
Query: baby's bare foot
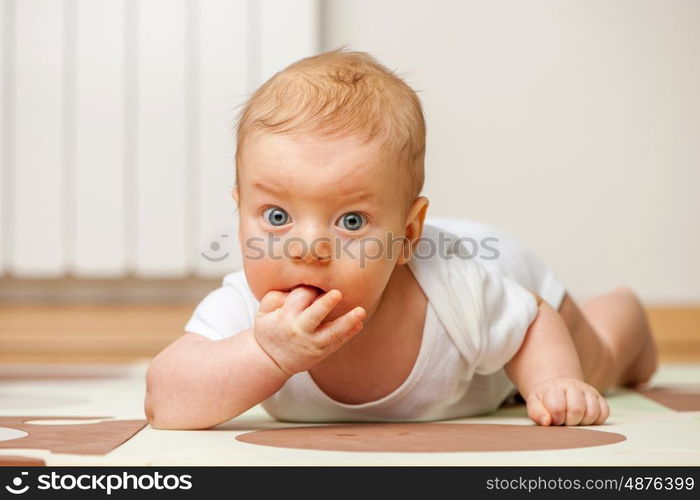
(640, 372)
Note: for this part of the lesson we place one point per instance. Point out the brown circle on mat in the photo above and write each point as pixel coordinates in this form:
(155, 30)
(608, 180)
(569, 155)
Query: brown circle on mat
(19, 461)
(430, 437)
(679, 397)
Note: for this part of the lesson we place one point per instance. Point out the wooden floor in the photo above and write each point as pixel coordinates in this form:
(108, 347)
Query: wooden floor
(127, 332)
(88, 333)
(677, 331)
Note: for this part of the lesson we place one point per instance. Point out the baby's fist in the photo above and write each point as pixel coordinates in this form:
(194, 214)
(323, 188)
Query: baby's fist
(288, 327)
(566, 401)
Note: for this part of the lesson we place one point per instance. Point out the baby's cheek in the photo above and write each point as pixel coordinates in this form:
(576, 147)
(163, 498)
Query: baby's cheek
(363, 288)
(261, 276)
(372, 249)
(365, 254)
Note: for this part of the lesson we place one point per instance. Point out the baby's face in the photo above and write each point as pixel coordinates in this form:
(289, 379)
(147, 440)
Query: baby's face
(321, 212)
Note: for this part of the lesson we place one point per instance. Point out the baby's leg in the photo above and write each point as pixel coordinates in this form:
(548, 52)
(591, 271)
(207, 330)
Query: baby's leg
(613, 339)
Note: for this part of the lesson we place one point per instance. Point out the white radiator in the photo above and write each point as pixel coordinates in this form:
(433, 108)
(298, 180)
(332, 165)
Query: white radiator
(118, 129)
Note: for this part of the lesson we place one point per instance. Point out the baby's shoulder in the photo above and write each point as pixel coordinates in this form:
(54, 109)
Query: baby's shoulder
(235, 279)
(440, 259)
(226, 310)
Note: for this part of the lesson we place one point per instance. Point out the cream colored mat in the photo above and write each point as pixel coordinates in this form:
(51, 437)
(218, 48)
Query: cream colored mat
(655, 434)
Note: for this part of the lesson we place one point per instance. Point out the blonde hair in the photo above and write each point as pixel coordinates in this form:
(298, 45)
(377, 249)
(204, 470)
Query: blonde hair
(341, 93)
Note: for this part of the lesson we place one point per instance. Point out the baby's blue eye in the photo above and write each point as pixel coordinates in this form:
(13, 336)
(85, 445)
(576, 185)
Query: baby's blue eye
(276, 216)
(352, 221)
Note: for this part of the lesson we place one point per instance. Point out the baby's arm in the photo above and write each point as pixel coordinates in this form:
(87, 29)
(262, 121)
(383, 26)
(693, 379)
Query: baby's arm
(548, 374)
(196, 383)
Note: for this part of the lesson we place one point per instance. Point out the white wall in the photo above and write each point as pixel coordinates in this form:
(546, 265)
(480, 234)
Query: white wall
(572, 124)
(575, 125)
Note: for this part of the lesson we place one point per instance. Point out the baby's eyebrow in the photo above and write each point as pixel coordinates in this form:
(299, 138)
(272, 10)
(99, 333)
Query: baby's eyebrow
(347, 196)
(359, 196)
(269, 188)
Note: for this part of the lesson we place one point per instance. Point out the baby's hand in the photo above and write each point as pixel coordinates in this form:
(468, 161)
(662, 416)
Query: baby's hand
(286, 327)
(566, 401)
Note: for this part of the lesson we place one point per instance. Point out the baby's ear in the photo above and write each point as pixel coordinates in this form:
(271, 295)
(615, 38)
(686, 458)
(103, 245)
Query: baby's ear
(414, 224)
(234, 193)
(416, 218)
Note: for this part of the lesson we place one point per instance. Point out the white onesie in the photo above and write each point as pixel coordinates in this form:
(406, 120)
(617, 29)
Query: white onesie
(478, 313)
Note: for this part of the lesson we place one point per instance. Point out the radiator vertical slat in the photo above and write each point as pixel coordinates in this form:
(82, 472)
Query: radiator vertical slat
(160, 170)
(4, 132)
(223, 56)
(100, 246)
(39, 218)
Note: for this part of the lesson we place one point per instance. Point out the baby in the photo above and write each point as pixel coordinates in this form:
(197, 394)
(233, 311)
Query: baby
(340, 314)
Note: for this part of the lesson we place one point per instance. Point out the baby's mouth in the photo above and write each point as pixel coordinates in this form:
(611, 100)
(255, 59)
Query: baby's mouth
(319, 291)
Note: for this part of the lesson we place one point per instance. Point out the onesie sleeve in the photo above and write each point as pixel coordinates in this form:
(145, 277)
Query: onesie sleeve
(507, 310)
(226, 311)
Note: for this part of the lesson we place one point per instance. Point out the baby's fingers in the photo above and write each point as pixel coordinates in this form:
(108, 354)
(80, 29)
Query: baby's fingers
(592, 408)
(537, 411)
(604, 411)
(271, 300)
(311, 317)
(342, 329)
(575, 406)
(555, 402)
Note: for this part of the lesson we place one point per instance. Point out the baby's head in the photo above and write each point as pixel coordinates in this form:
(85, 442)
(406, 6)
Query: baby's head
(329, 170)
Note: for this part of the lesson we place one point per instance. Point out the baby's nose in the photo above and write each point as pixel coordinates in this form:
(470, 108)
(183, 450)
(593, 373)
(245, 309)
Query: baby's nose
(310, 250)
